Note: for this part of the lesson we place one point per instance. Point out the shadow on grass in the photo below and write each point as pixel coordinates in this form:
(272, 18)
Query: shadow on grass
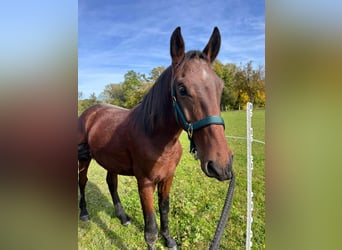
(104, 205)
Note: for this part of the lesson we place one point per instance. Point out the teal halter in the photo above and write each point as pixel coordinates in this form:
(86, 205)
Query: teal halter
(191, 127)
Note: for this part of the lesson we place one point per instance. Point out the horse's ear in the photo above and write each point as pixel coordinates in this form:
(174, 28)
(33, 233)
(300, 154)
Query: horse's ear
(177, 47)
(213, 47)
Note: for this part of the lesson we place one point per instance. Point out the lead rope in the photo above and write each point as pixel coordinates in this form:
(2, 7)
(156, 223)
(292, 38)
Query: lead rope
(215, 243)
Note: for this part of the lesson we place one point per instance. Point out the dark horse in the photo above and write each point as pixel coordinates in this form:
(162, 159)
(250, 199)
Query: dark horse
(144, 141)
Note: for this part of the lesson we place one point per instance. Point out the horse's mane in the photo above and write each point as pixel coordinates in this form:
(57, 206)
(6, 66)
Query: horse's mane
(152, 111)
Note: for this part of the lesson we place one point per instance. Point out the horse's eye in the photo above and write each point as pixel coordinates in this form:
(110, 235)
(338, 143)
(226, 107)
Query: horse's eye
(182, 90)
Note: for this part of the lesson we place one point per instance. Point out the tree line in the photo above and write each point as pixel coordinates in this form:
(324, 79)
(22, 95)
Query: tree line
(242, 84)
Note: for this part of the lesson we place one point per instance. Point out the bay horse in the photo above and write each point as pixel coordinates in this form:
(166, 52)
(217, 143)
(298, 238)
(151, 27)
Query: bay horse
(144, 141)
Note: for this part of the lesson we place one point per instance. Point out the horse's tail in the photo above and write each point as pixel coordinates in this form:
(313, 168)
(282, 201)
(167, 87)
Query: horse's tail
(87, 117)
(83, 147)
(83, 152)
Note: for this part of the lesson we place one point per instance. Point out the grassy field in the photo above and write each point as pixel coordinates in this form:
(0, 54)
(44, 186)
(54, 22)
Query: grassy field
(195, 200)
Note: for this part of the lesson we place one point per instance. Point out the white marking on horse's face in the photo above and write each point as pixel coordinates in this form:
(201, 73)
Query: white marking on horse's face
(204, 74)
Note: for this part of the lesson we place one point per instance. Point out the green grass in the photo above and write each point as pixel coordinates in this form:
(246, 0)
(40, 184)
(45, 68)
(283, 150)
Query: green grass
(196, 201)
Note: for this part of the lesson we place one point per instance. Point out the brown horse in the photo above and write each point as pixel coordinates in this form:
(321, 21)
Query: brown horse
(144, 141)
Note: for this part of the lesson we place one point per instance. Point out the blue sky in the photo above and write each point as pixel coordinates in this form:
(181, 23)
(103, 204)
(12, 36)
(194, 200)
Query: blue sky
(117, 36)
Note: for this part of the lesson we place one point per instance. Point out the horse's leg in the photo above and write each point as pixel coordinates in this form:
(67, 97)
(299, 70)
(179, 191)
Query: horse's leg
(146, 190)
(112, 181)
(82, 181)
(163, 201)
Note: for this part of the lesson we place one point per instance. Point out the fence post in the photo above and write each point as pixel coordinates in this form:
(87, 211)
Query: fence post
(249, 233)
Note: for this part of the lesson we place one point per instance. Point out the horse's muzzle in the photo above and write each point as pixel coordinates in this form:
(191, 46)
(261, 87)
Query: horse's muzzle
(212, 169)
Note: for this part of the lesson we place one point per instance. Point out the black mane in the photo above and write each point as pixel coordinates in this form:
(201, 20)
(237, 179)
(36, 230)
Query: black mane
(154, 107)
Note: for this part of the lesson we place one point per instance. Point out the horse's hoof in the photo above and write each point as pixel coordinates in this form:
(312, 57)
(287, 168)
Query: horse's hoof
(126, 223)
(171, 244)
(84, 217)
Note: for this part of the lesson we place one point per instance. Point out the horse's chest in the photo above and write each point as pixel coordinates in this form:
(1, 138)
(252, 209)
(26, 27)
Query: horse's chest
(161, 172)
(157, 167)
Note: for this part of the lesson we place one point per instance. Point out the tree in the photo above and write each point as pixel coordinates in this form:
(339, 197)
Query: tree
(132, 88)
(129, 93)
(226, 73)
(114, 94)
(155, 73)
(260, 95)
(86, 103)
(250, 82)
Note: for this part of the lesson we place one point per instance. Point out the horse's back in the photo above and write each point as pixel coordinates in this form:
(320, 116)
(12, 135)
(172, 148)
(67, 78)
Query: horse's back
(98, 114)
(104, 128)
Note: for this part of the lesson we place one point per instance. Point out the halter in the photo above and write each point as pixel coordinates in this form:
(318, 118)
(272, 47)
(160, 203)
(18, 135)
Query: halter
(191, 127)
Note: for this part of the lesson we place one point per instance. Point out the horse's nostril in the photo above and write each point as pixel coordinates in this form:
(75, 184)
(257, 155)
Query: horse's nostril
(211, 168)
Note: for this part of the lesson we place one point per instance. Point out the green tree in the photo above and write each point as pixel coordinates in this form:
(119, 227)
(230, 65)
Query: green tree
(155, 73)
(114, 94)
(132, 88)
(260, 94)
(86, 103)
(226, 73)
(129, 93)
(250, 82)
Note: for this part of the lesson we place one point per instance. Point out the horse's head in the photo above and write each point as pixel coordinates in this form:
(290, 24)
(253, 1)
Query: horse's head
(196, 91)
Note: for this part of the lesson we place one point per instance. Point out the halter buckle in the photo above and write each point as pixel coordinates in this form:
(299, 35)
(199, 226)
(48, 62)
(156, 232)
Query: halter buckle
(190, 130)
